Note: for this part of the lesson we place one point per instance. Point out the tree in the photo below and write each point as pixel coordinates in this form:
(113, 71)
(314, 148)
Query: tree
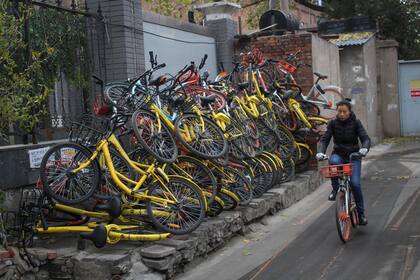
(397, 19)
(28, 75)
(22, 99)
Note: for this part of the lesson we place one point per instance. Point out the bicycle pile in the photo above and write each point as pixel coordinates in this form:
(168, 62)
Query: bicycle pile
(168, 151)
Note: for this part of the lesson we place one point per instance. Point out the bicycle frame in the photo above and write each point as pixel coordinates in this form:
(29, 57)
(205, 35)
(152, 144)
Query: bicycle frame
(295, 107)
(103, 147)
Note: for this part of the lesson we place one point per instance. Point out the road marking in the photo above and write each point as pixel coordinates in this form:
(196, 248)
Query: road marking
(330, 264)
(408, 262)
(267, 263)
(397, 225)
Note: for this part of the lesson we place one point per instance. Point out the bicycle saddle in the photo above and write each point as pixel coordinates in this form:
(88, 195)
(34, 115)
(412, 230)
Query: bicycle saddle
(206, 100)
(322, 77)
(158, 81)
(113, 207)
(98, 236)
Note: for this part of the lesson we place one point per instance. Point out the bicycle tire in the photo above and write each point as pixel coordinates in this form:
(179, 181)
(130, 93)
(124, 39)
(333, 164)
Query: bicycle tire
(198, 210)
(165, 137)
(342, 221)
(241, 186)
(230, 200)
(289, 170)
(91, 186)
(333, 96)
(222, 147)
(262, 179)
(216, 207)
(202, 175)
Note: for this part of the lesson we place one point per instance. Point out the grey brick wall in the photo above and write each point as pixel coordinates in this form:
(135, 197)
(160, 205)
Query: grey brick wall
(224, 30)
(119, 42)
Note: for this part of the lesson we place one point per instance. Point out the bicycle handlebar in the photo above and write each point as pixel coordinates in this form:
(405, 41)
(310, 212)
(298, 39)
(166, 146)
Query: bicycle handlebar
(351, 156)
(203, 61)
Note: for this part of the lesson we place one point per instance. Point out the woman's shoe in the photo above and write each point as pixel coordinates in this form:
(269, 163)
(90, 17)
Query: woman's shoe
(332, 195)
(362, 219)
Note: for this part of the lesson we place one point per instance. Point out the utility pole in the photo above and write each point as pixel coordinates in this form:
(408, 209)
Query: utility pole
(271, 4)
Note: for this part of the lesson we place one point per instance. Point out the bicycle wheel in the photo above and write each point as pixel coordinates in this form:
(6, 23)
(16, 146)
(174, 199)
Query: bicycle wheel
(286, 117)
(201, 136)
(267, 115)
(190, 167)
(251, 134)
(182, 217)
(236, 182)
(216, 207)
(230, 200)
(288, 170)
(287, 142)
(341, 218)
(160, 143)
(263, 179)
(275, 166)
(309, 108)
(269, 139)
(354, 216)
(60, 183)
(331, 97)
(305, 155)
(115, 93)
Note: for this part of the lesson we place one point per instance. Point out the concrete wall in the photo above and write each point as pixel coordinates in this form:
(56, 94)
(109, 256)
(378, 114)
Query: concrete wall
(359, 82)
(369, 53)
(15, 169)
(177, 43)
(326, 60)
(388, 102)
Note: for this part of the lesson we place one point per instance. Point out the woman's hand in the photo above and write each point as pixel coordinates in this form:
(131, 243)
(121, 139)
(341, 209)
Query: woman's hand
(363, 151)
(321, 156)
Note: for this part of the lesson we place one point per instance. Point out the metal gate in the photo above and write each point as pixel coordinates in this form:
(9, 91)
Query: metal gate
(409, 91)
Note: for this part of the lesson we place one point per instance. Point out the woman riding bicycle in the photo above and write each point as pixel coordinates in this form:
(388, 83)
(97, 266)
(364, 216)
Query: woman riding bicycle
(346, 130)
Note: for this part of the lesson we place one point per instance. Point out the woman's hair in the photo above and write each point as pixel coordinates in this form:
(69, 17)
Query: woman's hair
(346, 102)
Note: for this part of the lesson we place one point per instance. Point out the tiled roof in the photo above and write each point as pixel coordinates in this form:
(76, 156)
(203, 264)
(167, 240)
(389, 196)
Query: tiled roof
(352, 39)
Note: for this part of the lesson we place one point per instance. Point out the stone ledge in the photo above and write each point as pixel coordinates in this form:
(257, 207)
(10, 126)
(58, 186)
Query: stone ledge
(163, 259)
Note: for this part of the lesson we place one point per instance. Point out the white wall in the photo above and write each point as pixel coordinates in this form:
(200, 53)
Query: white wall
(177, 54)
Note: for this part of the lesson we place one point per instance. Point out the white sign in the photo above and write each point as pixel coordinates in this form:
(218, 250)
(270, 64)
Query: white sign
(36, 155)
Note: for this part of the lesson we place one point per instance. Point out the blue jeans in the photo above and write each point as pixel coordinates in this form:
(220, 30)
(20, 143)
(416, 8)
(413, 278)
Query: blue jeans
(354, 180)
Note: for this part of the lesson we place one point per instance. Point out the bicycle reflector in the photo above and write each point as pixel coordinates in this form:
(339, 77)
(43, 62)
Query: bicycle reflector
(337, 170)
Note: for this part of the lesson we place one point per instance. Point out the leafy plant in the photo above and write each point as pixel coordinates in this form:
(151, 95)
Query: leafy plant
(56, 46)
(397, 19)
(22, 92)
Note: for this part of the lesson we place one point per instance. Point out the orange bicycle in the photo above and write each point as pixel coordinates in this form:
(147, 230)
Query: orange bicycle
(346, 215)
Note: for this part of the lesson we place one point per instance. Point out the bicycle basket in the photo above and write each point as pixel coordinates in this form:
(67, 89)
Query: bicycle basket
(89, 131)
(337, 170)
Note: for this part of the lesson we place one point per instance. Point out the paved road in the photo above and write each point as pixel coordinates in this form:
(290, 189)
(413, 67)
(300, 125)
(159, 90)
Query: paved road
(388, 248)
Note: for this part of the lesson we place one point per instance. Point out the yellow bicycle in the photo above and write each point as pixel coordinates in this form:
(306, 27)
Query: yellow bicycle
(70, 174)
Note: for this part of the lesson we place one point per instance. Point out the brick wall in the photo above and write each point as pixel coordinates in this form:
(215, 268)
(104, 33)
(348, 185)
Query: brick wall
(277, 48)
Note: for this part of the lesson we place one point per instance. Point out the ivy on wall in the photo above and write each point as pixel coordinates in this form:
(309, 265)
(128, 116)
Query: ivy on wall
(56, 45)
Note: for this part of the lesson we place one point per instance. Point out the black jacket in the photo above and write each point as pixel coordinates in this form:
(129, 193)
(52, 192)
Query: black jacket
(346, 136)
